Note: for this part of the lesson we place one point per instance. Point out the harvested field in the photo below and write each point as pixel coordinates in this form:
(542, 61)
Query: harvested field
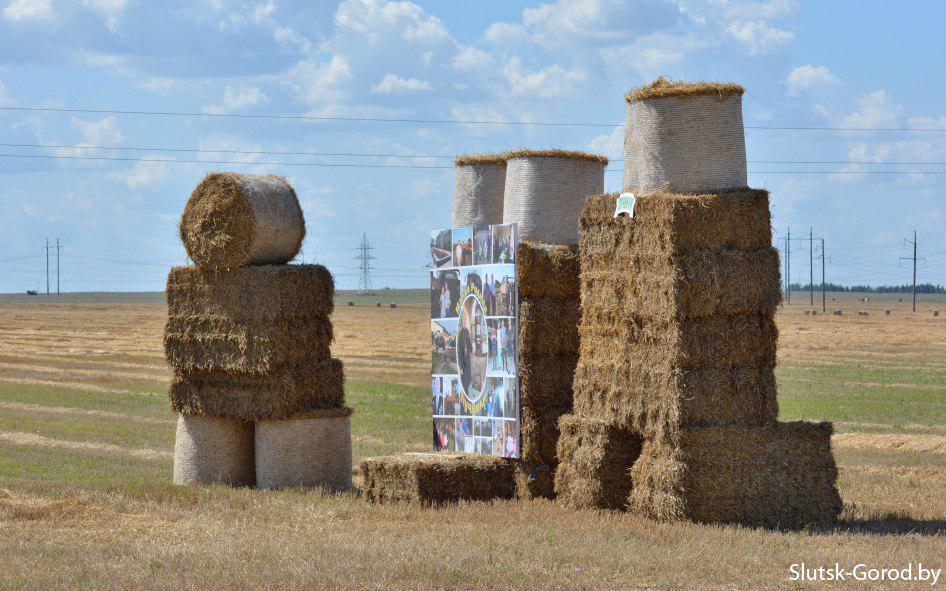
(108, 516)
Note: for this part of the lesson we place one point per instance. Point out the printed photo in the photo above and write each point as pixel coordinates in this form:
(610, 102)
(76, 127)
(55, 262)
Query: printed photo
(444, 435)
(504, 241)
(443, 342)
(511, 440)
(499, 290)
(438, 395)
(510, 404)
(451, 398)
(462, 247)
(472, 348)
(499, 436)
(459, 435)
(502, 346)
(482, 245)
(441, 254)
(444, 293)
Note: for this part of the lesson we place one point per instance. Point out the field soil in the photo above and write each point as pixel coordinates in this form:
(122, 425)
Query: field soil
(86, 439)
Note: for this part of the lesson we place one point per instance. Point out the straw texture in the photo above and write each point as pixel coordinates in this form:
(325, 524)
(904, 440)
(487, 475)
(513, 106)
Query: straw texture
(209, 450)
(631, 152)
(780, 475)
(435, 479)
(547, 270)
(250, 396)
(595, 461)
(689, 141)
(545, 194)
(233, 220)
(478, 191)
(308, 450)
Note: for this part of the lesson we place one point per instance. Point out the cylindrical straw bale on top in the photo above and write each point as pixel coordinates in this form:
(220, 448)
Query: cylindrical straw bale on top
(234, 220)
(478, 190)
(631, 149)
(690, 136)
(546, 191)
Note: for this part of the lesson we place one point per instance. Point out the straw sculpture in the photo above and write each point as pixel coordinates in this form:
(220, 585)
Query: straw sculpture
(212, 450)
(690, 136)
(310, 449)
(233, 220)
(478, 190)
(436, 479)
(546, 190)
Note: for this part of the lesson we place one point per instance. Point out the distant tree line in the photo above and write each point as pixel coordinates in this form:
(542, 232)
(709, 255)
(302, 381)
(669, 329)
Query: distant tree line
(906, 288)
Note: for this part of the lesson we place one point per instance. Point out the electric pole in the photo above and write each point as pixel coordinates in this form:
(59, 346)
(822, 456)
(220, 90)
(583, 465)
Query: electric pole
(824, 297)
(57, 265)
(811, 267)
(47, 266)
(913, 242)
(788, 265)
(365, 257)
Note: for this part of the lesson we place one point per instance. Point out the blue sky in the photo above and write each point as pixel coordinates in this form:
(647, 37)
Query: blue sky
(805, 64)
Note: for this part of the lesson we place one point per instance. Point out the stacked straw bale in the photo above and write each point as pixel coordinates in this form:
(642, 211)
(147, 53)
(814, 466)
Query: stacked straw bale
(546, 189)
(436, 479)
(478, 190)
(549, 312)
(249, 339)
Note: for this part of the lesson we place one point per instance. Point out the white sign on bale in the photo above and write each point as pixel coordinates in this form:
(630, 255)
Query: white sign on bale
(474, 309)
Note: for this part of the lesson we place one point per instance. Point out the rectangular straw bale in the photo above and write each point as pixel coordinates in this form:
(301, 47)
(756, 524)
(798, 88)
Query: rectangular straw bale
(538, 458)
(435, 479)
(547, 270)
(780, 475)
(717, 341)
(663, 400)
(211, 342)
(546, 381)
(548, 326)
(696, 285)
(256, 294)
(595, 459)
(251, 396)
(674, 224)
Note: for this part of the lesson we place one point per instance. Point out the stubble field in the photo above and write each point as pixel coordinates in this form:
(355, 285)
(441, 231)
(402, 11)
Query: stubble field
(85, 462)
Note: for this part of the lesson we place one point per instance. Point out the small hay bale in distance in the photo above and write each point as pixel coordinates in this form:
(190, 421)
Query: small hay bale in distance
(377, 305)
(689, 135)
(234, 220)
(436, 479)
(393, 305)
(595, 458)
(780, 475)
(309, 449)
(478, 188)
(350, 304)
(935, 312)
(837, 312)
(211, 450)
(886, 312)
(862, 312)
(546, 189)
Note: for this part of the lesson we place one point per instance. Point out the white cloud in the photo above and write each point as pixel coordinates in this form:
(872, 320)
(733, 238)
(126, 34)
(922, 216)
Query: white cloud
(505, 33)
(874, 110)
(650, 56)
(759, 36)
(804, 77)
(104, 132)
(316, 83)
(609, 144)
(551, 82)
(110, 11)
(924, 122)
(27, 10)
(288, 37)
(6, 99)
(470, 58)
(392, 83)
(238, 98)
(145, 174)
(376, 19)
(159, 85)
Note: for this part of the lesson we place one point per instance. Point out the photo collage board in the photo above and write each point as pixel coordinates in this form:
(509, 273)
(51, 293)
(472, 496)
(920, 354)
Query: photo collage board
(474, 310)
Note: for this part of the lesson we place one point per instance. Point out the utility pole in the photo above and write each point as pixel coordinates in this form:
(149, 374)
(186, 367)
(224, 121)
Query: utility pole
(788, 265)
(824, 298)
(811, 266)
(364, 257)
(913, 242)
(47, 266)
(57, 265)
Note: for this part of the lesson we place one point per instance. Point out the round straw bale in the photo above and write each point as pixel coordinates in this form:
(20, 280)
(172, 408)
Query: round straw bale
(546, 191)
(631, 149)
(310, 449)
(212, 450)
(690, 136)
(478, 190)
(234, 220)
(935, 312)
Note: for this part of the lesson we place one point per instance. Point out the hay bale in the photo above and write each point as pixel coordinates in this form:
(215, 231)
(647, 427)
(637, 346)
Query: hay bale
(256, 295)
(548, 327)
(862, 313)
(631, 152)
(836, 312)
(351, 304)
(309, 449)
(780, 475)
(435, 479)
(210, 342)
(547, 270)
(233, 220)
(690, 136)
(595, 458)
(393, 306)
(251, 396)
(210, 450)
(546, 190)
(935, 312)
(663, 400)
(478, 190)
(538, 457)
(886, 312)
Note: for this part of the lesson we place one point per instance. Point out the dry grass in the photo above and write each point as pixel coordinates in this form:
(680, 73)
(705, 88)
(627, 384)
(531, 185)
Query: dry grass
(63, 528)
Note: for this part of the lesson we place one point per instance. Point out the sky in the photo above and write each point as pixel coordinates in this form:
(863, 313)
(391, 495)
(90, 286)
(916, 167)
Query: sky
(840, 64)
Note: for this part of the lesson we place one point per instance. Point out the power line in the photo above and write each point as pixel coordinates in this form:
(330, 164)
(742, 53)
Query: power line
(365, 257)
(418, 120)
